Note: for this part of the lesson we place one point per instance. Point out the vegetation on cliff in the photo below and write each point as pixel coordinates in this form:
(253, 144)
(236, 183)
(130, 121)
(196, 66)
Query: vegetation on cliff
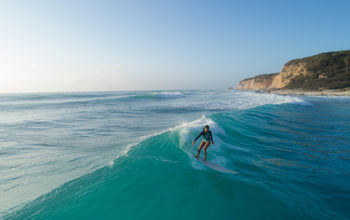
(262, 77)
(325, 71)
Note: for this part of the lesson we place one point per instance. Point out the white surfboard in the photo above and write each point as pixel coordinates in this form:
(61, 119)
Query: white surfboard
(217, 167)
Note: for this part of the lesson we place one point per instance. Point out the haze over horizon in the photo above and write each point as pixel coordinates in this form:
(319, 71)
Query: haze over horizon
(64, 46)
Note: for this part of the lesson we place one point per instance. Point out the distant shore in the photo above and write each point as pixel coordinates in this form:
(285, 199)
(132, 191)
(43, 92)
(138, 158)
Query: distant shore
(330, 92)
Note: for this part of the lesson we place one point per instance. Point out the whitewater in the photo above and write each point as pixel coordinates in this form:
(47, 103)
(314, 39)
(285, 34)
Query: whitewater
(129, 155)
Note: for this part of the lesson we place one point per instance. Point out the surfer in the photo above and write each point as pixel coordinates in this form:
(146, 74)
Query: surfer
(207, 139)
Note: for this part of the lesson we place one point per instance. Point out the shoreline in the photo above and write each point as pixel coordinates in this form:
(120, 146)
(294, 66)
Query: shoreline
(330, 92)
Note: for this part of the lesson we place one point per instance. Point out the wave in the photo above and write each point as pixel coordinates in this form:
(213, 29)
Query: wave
(158, 176)
(66, 99)
(158, 95)
(167, 156)
(249, 99)
(234, 101)
(169, 94)
(200, 102)
(160, 167)
(153, 154)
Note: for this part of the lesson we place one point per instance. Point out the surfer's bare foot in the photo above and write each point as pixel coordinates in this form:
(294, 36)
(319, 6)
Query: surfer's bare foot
(204, 159)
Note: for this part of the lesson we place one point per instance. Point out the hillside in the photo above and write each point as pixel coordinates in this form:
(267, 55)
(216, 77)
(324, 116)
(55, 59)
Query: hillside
(320, 72)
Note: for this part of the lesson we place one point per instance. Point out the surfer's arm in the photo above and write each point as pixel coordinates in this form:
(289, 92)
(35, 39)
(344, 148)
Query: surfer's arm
(211, 138)
(197, 137)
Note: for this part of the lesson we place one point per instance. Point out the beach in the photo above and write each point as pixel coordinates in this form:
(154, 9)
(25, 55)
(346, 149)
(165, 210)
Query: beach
(334, 92)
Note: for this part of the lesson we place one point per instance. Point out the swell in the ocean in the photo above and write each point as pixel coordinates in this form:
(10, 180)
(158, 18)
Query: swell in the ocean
(288, 155)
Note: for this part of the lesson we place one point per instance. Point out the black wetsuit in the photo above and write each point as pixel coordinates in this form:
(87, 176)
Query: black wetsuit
(207, 137)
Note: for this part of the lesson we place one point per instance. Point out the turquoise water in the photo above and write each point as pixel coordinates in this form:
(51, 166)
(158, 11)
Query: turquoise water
(128, 155)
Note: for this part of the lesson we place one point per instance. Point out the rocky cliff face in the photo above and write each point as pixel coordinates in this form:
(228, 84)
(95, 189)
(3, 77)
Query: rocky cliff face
(322, 71)
(260, 82)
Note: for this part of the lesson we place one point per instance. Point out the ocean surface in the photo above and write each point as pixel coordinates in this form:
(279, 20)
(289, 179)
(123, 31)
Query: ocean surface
(128, 155)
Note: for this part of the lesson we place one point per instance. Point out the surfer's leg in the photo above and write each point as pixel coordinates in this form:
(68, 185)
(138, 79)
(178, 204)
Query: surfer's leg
(205, 150)
(200, 148)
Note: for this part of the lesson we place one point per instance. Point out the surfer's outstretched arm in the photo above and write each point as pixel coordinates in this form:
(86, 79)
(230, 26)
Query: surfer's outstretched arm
(194, 141)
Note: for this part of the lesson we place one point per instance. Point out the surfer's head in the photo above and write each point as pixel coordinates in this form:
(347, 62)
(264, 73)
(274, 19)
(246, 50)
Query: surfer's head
(206, 128)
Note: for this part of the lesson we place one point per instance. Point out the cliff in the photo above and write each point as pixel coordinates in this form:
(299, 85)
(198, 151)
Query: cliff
(320, 72)
(260, 82)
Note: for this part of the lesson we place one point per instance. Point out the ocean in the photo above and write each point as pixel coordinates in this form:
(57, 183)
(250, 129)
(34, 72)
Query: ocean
(129, 155)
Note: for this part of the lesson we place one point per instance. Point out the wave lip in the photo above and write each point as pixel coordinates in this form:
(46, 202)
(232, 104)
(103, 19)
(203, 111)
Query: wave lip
(165, 94)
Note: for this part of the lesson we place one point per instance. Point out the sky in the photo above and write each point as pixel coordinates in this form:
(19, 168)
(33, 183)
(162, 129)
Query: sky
(72, 45)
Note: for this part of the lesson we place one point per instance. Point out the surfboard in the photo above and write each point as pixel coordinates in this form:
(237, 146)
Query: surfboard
(216, 167)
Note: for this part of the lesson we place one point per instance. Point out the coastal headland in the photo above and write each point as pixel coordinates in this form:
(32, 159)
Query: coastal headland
(321, 74)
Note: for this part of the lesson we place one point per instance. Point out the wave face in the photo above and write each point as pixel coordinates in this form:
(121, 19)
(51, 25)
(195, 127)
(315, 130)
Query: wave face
(128, 155)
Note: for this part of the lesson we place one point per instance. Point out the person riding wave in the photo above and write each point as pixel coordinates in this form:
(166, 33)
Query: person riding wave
(207, 140)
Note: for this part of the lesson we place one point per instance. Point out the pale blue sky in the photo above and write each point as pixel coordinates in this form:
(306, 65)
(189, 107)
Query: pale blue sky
(48, 46)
